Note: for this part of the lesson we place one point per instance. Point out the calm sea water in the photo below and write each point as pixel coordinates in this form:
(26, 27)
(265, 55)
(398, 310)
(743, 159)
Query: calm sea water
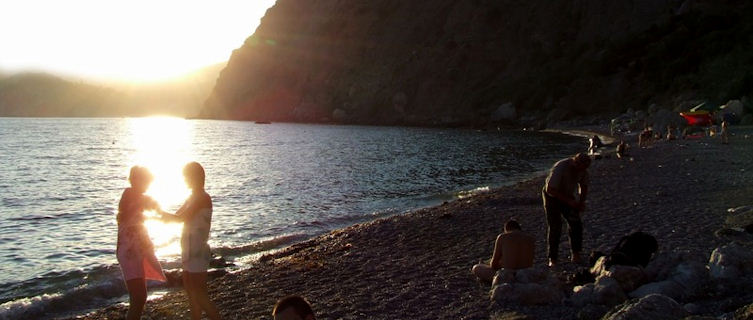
(272, 185)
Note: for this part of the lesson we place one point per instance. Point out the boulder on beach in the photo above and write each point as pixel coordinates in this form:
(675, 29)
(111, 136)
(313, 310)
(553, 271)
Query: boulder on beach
(651, 307)
(526, 294)
(731, 261)
(530, 286)
(684, 280)
(629, 277)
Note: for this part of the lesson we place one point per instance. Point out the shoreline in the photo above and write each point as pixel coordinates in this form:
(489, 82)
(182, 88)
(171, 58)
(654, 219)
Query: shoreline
(404, 265)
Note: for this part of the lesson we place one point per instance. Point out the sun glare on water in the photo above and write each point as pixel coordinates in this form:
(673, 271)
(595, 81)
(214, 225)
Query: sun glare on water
(163, 145)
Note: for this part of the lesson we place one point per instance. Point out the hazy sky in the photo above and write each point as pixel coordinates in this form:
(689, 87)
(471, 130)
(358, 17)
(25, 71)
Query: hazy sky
(123, 40)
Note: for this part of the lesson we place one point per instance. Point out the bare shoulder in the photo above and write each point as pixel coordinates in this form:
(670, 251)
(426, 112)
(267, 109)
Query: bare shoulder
(205, 200)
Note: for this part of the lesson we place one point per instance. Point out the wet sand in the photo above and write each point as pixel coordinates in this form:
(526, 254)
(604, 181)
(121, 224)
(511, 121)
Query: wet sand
(417, 265)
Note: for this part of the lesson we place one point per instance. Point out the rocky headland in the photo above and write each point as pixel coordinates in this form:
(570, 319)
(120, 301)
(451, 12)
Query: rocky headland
(484, 63)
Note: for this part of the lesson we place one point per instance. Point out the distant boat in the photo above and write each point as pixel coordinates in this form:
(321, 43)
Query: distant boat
(262, 122)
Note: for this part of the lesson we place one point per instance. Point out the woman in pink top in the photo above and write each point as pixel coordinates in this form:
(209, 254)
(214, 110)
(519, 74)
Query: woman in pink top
(135, 250)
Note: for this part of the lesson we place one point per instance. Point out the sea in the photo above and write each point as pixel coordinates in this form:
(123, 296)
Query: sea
(272, 185)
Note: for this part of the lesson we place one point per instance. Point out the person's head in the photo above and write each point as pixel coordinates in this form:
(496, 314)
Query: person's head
(581, 161)
(293, 308)
(140, 178)
(512, 225)
(193, 172)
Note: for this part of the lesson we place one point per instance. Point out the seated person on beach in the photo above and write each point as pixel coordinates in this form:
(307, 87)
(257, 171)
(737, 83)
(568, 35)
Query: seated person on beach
(645, 137)
(293, 308)
(671, 133)
(621, 150)
(595, 144)
(513, 250)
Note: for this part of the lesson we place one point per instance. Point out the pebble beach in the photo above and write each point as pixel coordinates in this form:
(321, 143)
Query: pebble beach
(417, 265)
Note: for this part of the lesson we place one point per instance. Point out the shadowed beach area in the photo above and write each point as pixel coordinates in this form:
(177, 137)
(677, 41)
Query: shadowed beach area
(417, 265)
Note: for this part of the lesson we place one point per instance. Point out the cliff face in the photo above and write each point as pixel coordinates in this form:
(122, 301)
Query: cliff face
(456, 61)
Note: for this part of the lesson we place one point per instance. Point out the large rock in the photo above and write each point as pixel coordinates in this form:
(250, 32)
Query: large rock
(735, 107)
(685, 280)
(669, 288)
(607, 291)
(538, 274)
(526, 294)
(730, 261)
(629, 277)
(583, 295)
(651, 307)
(528, 286)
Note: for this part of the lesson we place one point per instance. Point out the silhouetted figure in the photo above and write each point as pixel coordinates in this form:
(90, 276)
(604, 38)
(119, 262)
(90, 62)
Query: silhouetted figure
(564, 195)
(645, 137)
(621, 150)
(595, 143)
(513, 250)
(196, 215)
(671, 133)
(135, 251)
(293, 308)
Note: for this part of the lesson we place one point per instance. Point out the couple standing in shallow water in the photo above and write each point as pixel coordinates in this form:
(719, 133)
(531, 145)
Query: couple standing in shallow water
(135, 251)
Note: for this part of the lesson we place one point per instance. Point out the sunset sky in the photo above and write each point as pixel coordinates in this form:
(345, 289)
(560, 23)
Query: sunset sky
(135, 40)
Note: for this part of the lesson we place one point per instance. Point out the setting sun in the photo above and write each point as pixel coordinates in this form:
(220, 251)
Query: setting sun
(163, 145)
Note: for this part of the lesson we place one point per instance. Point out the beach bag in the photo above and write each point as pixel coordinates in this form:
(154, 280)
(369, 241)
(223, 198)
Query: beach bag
(635, 249)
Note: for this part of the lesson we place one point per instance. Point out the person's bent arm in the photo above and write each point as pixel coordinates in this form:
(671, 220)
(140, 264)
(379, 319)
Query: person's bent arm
(496, 262)
(180, 216)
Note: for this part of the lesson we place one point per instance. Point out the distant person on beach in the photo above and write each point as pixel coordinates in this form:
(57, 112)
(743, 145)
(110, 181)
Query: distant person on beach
(196, 215)
(564, 195)
(513, 250)
(671, 133)
(645, 137)
(135, 251)
(724, 132)
(621, 150)
(293, 308)
(595, 144)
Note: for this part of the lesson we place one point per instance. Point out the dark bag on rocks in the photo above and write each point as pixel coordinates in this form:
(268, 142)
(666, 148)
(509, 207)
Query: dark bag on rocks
(634, 249)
